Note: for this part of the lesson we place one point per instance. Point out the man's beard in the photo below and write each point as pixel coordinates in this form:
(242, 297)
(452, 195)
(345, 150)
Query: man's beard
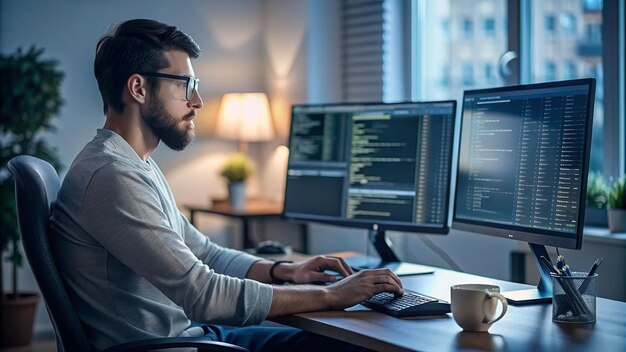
(164, 126)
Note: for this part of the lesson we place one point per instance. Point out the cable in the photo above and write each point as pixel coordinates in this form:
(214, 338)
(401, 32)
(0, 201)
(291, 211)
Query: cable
(441, 253)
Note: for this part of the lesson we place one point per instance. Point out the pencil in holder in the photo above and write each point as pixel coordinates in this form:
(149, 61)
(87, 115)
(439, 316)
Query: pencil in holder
(574, 298)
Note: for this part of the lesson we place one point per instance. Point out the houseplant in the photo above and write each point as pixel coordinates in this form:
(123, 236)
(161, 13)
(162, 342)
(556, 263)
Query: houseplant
(617, 206)
(30, 96)
(596, 200)
(236, 170)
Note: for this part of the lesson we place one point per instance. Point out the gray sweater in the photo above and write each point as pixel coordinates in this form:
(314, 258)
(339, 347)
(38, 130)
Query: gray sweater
(134, 266)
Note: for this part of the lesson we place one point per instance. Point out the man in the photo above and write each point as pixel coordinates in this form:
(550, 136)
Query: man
(134, 266)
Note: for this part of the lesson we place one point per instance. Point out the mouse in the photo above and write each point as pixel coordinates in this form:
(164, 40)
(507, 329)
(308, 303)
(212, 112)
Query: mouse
(271, 247)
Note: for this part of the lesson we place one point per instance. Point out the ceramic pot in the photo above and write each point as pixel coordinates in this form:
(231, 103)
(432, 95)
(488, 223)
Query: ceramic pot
(16, 318)
(237, 195)
(617, 220)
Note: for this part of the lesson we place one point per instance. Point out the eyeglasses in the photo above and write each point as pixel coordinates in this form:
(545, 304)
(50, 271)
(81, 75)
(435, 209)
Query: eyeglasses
(192, 82)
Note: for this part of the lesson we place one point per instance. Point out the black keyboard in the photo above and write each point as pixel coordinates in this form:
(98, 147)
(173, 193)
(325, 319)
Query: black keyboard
(409, 305)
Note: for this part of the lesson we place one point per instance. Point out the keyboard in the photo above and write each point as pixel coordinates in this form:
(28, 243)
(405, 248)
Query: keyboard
(409, 305)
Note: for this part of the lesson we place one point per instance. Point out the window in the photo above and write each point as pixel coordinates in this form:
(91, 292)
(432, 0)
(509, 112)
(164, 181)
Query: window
(550, 24)
(488, 69)
(453, 60)
(445, 26)
(594, 33)
(468, 74)
(592, 5)
(567, 53)
(550, 71)
(489, 25)
(570, 70)
(468, 27)
(535, 40)
(568, 23)
(445, 75)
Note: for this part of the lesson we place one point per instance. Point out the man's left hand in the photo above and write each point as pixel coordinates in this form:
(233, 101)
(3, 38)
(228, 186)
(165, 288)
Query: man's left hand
(312, 270)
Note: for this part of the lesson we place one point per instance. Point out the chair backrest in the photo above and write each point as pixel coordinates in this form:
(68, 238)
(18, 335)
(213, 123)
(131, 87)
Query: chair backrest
(36, 187)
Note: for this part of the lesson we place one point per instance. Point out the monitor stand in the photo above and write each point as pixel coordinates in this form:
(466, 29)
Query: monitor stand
(543, 292)
(388, 258)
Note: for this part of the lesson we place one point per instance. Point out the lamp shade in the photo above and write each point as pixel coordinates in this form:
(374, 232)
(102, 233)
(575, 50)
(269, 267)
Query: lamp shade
(245, 117)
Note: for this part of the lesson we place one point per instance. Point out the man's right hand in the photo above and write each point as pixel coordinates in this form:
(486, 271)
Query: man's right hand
(358, 287)
(345, 293)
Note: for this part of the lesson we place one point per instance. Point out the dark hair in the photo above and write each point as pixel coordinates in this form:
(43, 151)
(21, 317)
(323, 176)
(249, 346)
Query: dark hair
(135, 46)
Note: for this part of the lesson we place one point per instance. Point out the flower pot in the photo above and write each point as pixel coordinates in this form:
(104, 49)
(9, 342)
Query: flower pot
(617, 220)
(16, 317)
(237, 195)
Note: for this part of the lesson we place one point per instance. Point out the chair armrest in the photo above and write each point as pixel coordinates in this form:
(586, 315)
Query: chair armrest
(202, 344)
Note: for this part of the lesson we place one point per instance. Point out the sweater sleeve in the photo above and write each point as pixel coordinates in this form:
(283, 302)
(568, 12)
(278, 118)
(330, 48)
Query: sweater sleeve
(122, 210)
(222, 260)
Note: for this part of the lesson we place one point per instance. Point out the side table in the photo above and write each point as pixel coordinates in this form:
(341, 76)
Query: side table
(255, 209)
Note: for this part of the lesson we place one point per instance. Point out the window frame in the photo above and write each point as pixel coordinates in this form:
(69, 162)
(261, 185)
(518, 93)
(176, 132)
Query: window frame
(614, 16)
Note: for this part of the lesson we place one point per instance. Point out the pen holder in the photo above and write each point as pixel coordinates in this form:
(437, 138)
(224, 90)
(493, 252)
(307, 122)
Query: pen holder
(574, 298)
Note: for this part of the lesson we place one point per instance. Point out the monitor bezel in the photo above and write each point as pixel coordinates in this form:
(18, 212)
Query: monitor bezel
(366, 223)
(531, 235)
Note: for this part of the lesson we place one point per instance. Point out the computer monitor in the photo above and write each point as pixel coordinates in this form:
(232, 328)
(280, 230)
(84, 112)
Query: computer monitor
(522, 170)
(375, 166)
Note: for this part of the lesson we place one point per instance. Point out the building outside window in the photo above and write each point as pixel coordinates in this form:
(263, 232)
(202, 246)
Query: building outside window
(550, 71)
(565, 47)
(489, 26)
(550, 24)
(568, 23)
(569, 70)
(468, 28)
(468, 74)
(488, 69)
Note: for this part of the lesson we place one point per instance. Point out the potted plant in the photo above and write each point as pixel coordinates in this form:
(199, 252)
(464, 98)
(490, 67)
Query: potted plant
(617, 206)
(596, 200)
(236, 170)
(30, 96)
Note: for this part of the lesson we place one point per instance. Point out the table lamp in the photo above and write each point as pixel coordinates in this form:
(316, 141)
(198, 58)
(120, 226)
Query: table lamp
(244, 117)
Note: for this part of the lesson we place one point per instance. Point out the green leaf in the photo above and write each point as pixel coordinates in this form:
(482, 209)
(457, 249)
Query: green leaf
(237, 168)
(30, 97)
(617, 194)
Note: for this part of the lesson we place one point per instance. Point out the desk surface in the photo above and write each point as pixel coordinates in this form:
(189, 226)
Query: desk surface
(528, 328)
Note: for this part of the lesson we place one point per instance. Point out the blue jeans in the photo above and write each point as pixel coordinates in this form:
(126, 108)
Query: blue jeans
(263, 338)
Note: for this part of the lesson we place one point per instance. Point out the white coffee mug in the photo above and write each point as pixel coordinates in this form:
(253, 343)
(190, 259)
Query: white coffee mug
(474, 306)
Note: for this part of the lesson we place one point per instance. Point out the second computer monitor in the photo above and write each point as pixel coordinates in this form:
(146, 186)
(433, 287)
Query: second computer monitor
(522, 173)
(523, 161)
(364, 165)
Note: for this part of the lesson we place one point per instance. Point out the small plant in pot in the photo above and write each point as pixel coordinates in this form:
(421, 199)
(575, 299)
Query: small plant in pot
(596, 200)
(237, 170)
(30, 96)
(617, 206)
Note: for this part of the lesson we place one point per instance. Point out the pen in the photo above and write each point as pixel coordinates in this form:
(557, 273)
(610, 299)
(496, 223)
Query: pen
(549, 265)
(594, 267)
(560, 262)
(567, 270)
(592, 271)
(571, 294)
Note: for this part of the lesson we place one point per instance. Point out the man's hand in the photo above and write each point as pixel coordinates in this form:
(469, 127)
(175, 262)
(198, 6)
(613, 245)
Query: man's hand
(343, 294)
(361, 286)
(312, 270)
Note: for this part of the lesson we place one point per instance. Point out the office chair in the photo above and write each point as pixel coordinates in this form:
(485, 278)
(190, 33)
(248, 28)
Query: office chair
(36, 187)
